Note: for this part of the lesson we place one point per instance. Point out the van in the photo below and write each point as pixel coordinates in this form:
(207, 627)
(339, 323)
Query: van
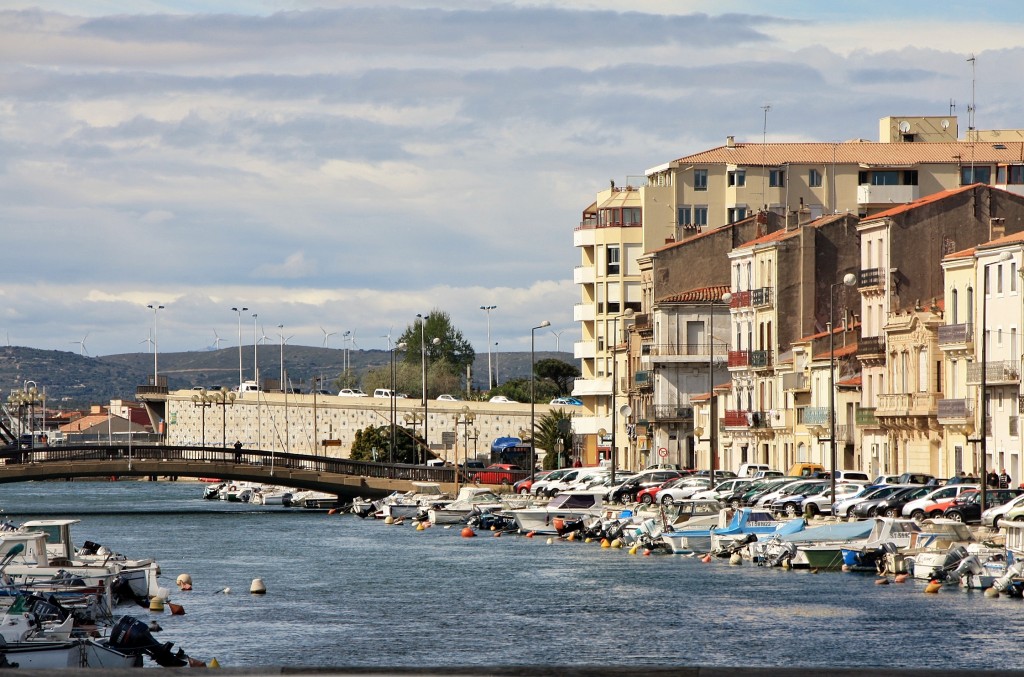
(804, 469)
(382, 392)
(750, 469)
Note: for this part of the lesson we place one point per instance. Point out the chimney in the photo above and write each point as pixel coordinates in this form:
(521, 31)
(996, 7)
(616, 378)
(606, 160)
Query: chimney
(730, 142)
(996, 228)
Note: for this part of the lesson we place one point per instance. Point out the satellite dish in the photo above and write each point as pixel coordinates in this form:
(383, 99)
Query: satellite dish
(904, 126)
(945, 124)
(625, 410)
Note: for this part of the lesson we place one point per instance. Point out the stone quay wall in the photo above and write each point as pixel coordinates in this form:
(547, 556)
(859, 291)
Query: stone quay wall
(326, 424)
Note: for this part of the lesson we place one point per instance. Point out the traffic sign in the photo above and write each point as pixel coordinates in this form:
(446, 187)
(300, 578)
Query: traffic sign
(663, 452)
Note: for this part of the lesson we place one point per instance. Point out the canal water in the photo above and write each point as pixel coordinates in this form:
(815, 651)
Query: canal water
(347, 592)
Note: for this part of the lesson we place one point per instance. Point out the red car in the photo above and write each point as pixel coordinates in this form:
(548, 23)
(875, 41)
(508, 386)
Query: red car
(650, 494)
(500, 473)
(525, 485)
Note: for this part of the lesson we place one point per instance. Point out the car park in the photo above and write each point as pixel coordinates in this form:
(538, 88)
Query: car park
(922, 508)
(723, 489)
(967, 508)
(540, 486)
(563, 481)
(682, 489)
(523, 486)
(790, 498)
(842, 507)
(743, 497)
(817, 504)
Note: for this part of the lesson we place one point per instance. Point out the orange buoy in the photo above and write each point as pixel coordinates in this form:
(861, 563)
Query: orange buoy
(332, 511)
(176, 609)
(706, 558)
(933, 587)
(558, 523)
(530, 534)
(647, 553)
(497, 534)
(467, 532)
(901, 578)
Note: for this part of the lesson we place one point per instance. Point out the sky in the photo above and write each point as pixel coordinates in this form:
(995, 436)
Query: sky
(343, 166)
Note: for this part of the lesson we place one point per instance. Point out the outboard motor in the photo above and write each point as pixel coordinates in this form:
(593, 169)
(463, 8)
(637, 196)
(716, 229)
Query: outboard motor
(130, 634)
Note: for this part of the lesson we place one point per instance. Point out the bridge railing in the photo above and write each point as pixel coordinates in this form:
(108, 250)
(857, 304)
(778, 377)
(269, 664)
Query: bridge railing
(189, 454)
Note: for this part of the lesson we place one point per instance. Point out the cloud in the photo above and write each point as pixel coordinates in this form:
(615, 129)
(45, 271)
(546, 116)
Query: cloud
(295, 266)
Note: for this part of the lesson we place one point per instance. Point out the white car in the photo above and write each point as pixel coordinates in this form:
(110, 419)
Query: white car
(722, 488)
(540, 487)
(991, 516)
(448, 398)
(351, 392)
(501, 399)
(784, 489)
(842, 507)
(682, 489)
(918, 509)
(822, 503)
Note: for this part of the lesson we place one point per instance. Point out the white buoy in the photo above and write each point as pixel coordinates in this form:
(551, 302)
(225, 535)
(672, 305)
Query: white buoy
(736, 558)
(257, 587)
(163, 593)
(184, 582)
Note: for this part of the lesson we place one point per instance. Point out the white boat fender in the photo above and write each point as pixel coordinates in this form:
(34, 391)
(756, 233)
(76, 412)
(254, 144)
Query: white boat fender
(257, 587)
(736, 558)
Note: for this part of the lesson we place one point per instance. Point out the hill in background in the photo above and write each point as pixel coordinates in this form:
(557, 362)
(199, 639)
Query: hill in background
(72, 380)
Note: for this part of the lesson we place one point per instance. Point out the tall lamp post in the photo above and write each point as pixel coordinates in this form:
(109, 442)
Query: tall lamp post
(155, 307)
(497, 380)
(490, 379)
(255, 353)
(533, 397)
(239, 310)
(983, 406)
(849, 280)
(615, 375)
(463, 418)
(394, 403)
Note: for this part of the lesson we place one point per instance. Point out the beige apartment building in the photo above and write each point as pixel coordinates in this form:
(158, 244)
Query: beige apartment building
(729, 185)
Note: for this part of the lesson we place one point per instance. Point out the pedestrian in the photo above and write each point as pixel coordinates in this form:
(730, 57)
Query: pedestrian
(992, 479)
(238, 451)
(1004, 480)
(971, 478)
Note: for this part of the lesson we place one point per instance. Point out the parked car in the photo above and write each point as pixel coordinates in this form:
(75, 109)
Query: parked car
(448, 398)
(744, 497)
(923, 507)
(804, 469)
(500, 473)
(501, 399)
(749, 469)
(351, 392)
(842, 507)
(567, 401)
(722, 489)
(886, 479)
(539, 487)
(967, 508)
(992, 516)
(794, 485)
(562, 483)
(916, 478)
(523, 486)
(650, 494)
(791, 500)
(626, 492)
(891, 505)
(821, 503)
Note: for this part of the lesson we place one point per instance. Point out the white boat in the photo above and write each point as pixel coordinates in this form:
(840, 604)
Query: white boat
(270, 495)
(471, 500)
(311, 500)
(822, 544)
(750, 524)
(422, 497)
(566, 506)
(947, 550)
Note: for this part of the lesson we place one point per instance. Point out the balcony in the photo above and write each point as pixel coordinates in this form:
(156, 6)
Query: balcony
(871, 346)
(740, 299)
(739, 358)
(589, 387)
(584, 350)
(956, 337)
(871, 277)
(999, 372)
(643, 380)
(760, 359)
(846, 432)
(584, 236)
(956, 412)
(584, 312)
(907, 405)
(886, 195)
(584, 275)
(746, 419)
(761, 297)
(795, 381)
(671, 412)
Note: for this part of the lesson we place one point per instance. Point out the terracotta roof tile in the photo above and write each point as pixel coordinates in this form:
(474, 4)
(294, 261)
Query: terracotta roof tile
(920, 202)
(699, 295)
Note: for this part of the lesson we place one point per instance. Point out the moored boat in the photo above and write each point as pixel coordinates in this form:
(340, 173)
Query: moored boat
(566, 506)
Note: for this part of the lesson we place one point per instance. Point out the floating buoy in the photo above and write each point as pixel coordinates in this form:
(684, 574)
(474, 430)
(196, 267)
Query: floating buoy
(550, 540)
(196, 663)
(605, 543)
(257, 587)
(882, 581)
(494, 527)
(735, 559)
(214, 663)
(389, 520)
(616, 543)
(991, 592)
(845, 568)
(900, 578)
(706, 558)
(176, 609)
(932, 587)
(420, 527)
(467, 532)
(571, 536)
(332, 511)
(814, 571)
(226, 591)
(647, 553)
(497, 534)
(530, 534)
(184, 582)
(156, 604)
(632, 551)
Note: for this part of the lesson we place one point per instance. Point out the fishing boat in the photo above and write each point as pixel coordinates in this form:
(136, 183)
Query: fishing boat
(567, 506)
(947, 550)
(421, 498)
(311, 500)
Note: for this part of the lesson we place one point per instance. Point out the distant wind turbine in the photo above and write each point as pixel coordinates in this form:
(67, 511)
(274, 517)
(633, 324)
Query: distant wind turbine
(388, 336)
(216, 341)
(81, 343)
(149, 340)
(263, 335)
(327, 335)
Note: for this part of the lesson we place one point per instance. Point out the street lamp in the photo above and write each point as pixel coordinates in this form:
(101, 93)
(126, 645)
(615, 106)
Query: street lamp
(155, 307)
(239, 311)
(414, 419)
(533, 397)
(394, 403)
(255, 354)
(614, 343)
(488, 309)
(848, 280)
(1003, 256)
(463, 418)
(497, 381)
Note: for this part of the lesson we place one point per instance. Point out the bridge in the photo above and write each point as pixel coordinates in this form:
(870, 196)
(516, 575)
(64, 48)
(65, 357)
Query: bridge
(346, 478)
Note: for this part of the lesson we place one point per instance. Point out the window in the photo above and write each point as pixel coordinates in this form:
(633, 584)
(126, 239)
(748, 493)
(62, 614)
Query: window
(777, 178)
(700, 215)
(814, 178)
(1013, 276)
(969, 175)
(738, 177)
(612, 260)
(684, 216)
(700, 179)
(909, 177)
(889, 178)
(1016, 174)
(631, 216)
(736, 214)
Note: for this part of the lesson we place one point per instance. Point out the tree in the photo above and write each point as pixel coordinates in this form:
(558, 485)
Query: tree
(562, 374)
(452, 350)
(549, 431)
(374, 444)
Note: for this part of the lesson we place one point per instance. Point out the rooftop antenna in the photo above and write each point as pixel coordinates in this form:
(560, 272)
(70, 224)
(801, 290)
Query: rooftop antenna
(764, 164)
(971, 110)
